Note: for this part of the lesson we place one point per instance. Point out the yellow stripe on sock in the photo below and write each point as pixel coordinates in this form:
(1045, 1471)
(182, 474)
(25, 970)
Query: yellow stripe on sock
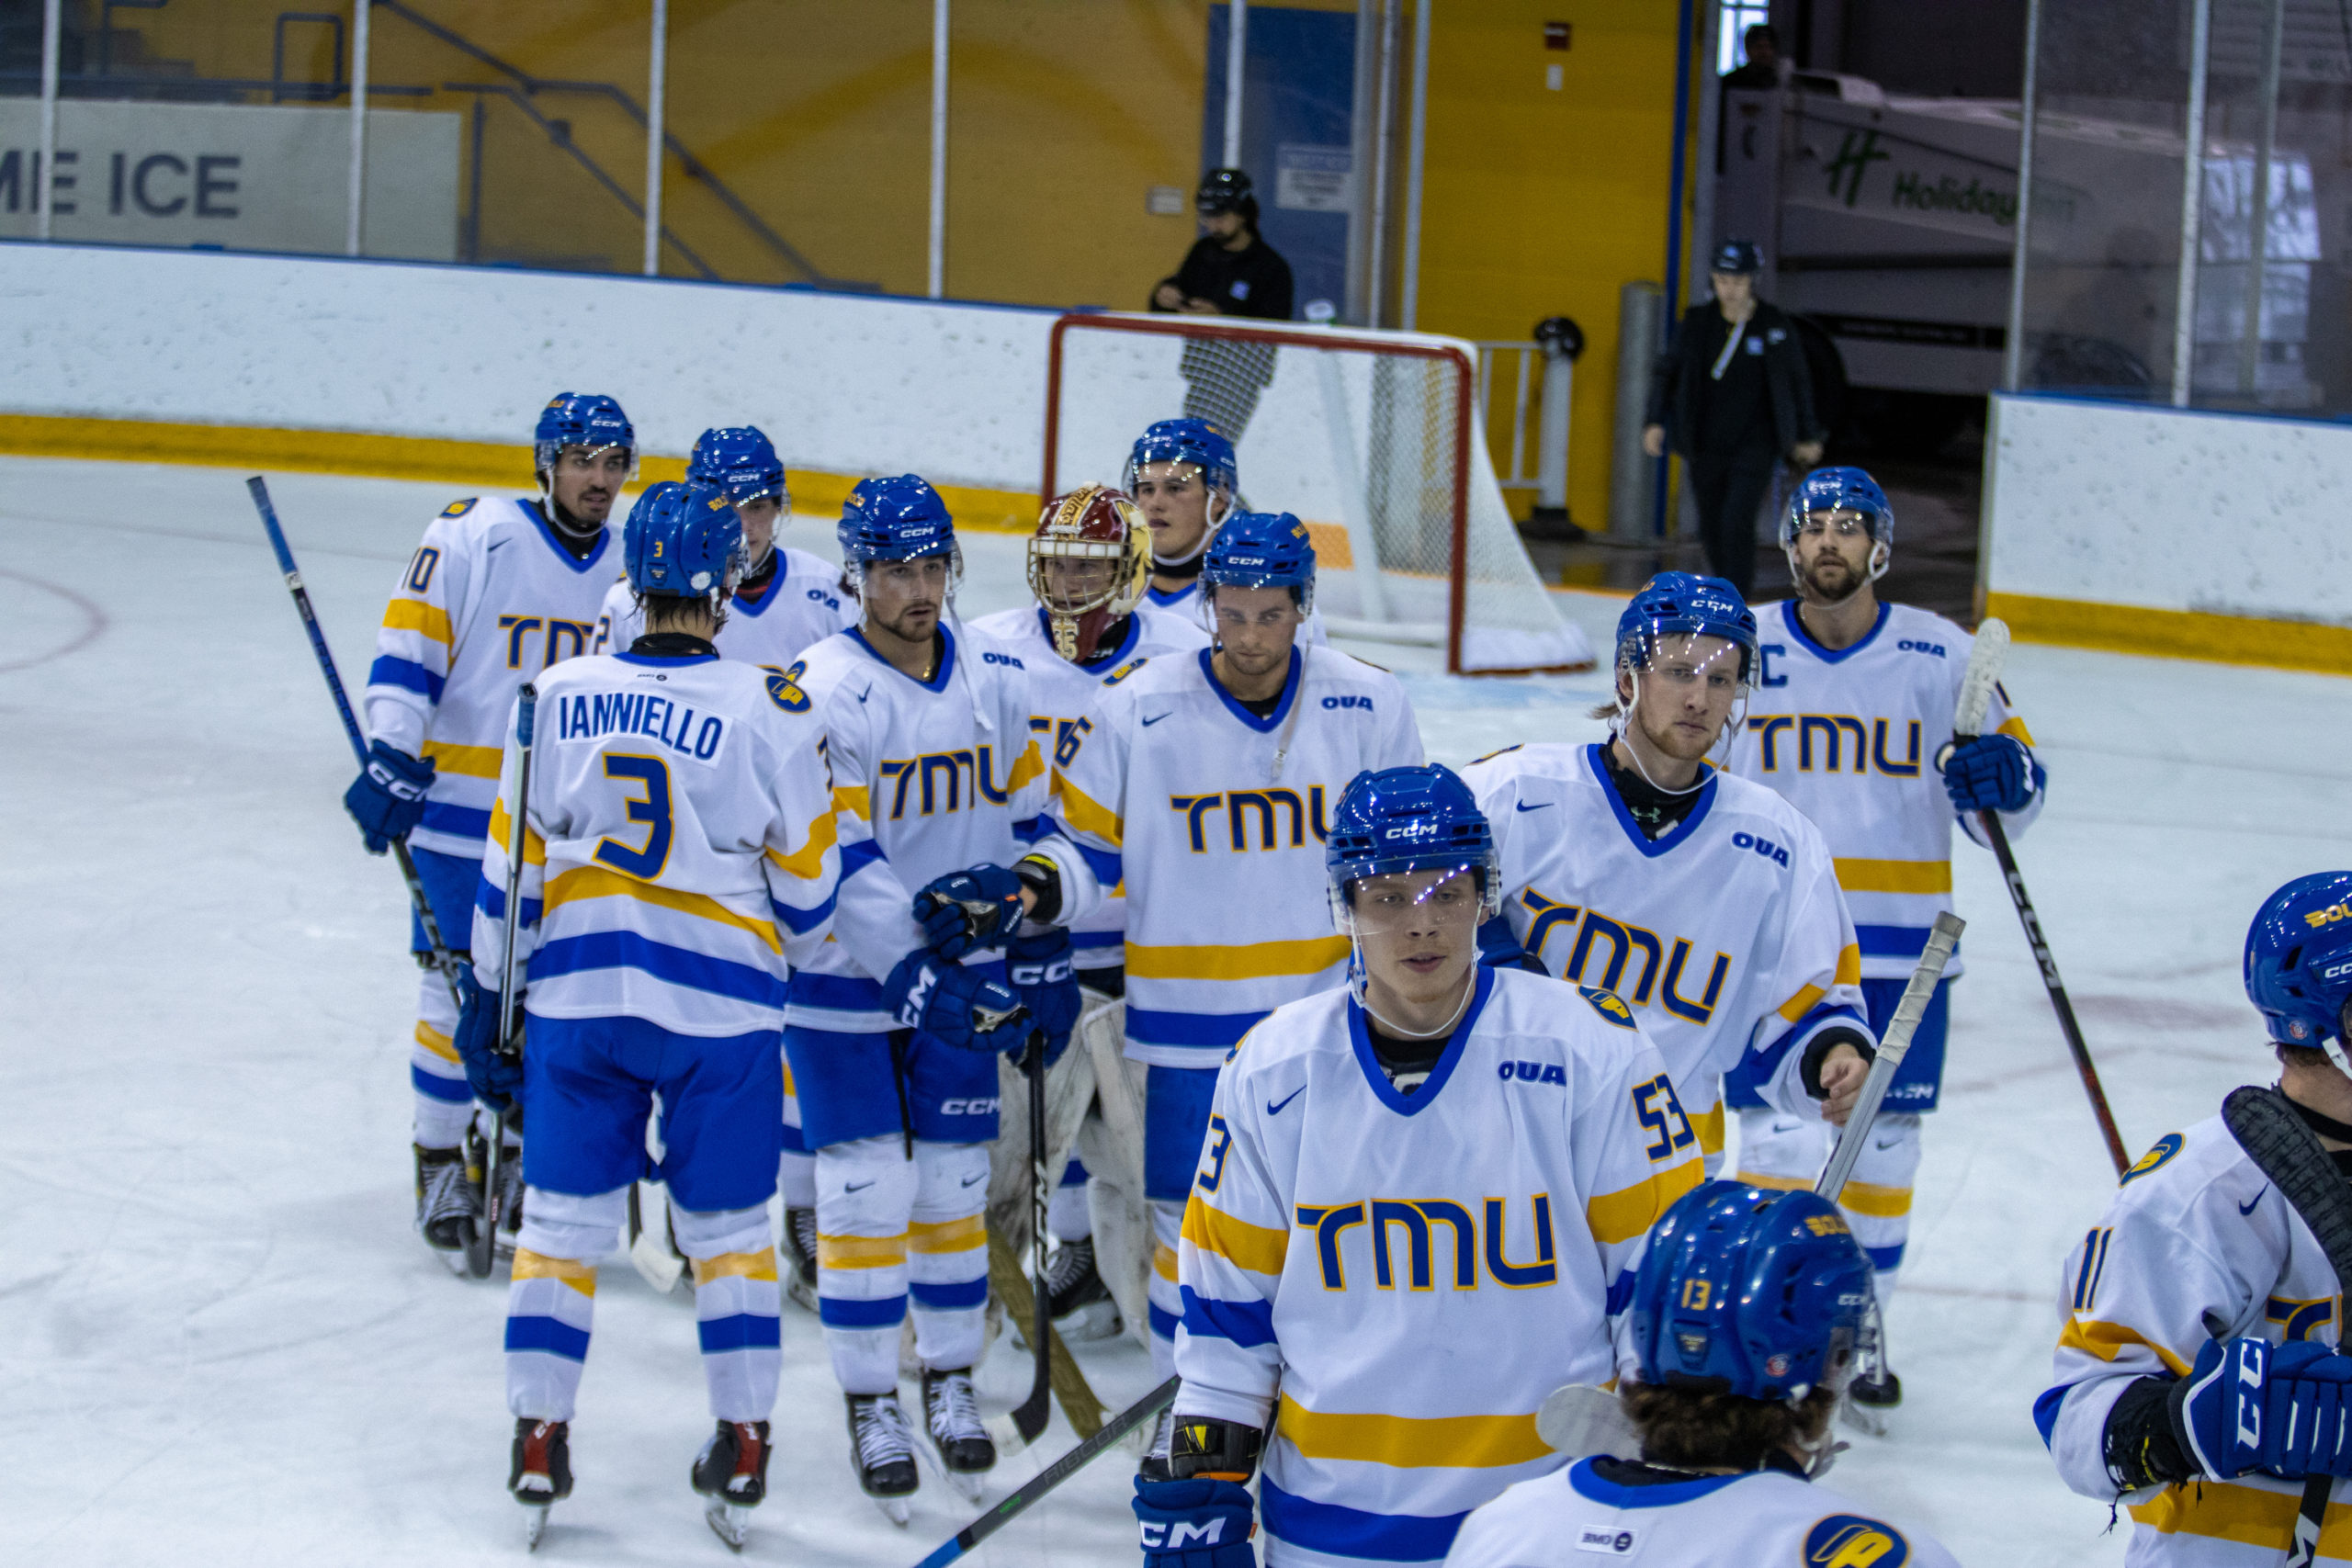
(861, 1251)
(1879, 1202)
(760, 1265)
(436, 1041)
(1163, 1261)
(966, 1234)
(1779, 1183)
(529, 1265)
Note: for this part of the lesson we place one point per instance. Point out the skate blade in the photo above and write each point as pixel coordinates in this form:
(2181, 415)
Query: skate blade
(730, 1522)
(534, 1526)
(898, 1510)
(801, 1294)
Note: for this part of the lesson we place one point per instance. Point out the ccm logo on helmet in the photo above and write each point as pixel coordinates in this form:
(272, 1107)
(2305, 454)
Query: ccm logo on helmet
(1363, 702)
(2334, 912)
(1764, 847)
(977, 1106)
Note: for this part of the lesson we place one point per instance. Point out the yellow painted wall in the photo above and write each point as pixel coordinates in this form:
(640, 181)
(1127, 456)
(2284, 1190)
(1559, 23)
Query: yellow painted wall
(1538, 203)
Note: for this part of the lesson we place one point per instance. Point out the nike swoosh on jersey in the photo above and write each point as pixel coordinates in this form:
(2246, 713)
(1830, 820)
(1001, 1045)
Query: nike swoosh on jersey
(1874, 1143)
(859, 1186)
(495, 546)
(1522, 805)
(1275, 1107)
(1154, 718)
(865, 694)
(976, 1180)
(2247, 1208)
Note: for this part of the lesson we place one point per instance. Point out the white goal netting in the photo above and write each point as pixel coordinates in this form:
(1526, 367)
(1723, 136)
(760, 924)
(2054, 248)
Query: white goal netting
(1372, 439)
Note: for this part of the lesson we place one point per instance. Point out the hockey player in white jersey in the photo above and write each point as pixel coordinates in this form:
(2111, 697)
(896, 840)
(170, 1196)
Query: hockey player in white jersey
(1706, 902)
(1419, 1209)
(1748, 1314)
(2199, 1378)
(1184, 478)
(789, 599)
(1207, 781)
(677, 849)
(1852, 708)
(937, 781)
(1090, 567)
(498, 590)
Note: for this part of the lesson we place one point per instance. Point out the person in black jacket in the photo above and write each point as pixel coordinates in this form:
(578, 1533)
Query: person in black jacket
(1734, 398)
(1229, 271)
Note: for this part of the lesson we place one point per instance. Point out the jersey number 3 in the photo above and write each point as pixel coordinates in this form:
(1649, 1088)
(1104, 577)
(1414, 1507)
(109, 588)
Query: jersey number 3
(652, 775)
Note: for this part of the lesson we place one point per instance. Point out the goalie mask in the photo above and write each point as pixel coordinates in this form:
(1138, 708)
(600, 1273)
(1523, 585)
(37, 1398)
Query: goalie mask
(1090, 562)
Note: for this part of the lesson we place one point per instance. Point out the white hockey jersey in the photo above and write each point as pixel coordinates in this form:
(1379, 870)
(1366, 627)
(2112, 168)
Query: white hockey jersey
(929, 777)
(2195, 1245)
(1061, 693)
(1851, 737)
(1395, 1282)
(490, 599)
(1215, 818)
(803, 604)
(1727, 935)
(679, 847)
(1578, 1518)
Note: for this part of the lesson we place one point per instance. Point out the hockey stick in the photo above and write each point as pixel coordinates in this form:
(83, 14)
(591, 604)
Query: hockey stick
(1029, 1418)
(2287, 1150)
(443, 963)
(1968, 722)
(1579, 1418)
(484, 1244)
(1054, 1474)
(1071, 1391)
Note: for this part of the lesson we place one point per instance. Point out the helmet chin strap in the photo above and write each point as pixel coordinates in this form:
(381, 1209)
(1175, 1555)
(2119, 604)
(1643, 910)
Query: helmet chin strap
(1625, 720)
(1359, 986)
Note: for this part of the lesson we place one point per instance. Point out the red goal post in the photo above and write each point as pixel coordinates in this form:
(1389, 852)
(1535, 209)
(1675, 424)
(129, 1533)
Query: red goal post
(1372, 438)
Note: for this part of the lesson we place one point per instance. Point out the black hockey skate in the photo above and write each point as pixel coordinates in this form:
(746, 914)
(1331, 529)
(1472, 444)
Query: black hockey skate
(732, 1471)
(800, 1247)
(883, 1449)
(951, 1419)
(1080, 1302)
(541, 1474)
(448, 1202)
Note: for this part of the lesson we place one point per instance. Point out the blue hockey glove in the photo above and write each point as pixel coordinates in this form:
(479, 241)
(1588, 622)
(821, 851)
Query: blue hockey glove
(1195, 1524)
(387, 796)
(965, 909)
(1040, 970)
(2283, 1409)
(1992, 773)
(960, 1007)
(496, 1078)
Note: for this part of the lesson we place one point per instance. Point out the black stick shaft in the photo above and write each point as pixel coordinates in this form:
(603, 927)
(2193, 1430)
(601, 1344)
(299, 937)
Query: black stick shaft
(259, 489)
(1997, 836)
(1054, 1474)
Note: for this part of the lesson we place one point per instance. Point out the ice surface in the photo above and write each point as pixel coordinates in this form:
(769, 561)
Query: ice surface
(222, 1342)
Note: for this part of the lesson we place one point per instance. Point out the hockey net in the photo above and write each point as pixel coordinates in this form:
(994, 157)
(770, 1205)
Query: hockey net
(1372, 439)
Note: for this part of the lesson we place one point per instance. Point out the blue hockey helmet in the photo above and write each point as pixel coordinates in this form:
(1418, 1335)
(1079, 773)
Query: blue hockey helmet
(1399, 819)
(683, 541)
(1683, 601)
(2298, 962)
(1761, 1294)
(1738, 258)
(741, 460)
(1262, 550)
(1828, 490)
(580, 419)
(899, 518)
(1193, 441)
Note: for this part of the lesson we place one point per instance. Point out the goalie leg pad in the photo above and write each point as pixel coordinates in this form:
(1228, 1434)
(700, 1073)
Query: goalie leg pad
(948, 1253)
(866, 1194)
(737, 1304)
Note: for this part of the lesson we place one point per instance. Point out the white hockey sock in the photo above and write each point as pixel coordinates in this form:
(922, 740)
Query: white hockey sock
(795, 1177)
(1166, 1302)
(551, 1308)
(866, 1194)
(948, 1253)
(736, 1304)
(443, 1102)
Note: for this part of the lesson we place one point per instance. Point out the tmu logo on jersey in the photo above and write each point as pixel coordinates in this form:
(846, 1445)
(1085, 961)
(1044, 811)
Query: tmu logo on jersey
(1280, 818)
(1400, 1235)
(1548, 918)
(1830, 743)
(952, 781)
